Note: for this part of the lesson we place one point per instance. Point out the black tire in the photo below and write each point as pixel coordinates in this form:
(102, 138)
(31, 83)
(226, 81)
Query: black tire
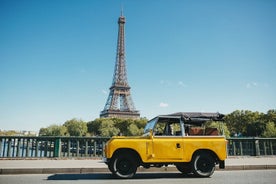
(184, 168)
(123, 166)
(110, 166)
(203, 165)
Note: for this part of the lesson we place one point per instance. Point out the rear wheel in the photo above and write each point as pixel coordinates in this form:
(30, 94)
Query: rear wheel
(203, 165)
(123, 166)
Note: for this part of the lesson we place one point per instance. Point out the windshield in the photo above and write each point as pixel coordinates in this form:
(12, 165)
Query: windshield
(150, 125)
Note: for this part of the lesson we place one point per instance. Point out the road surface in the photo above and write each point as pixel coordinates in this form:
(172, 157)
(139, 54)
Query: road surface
(219, 177)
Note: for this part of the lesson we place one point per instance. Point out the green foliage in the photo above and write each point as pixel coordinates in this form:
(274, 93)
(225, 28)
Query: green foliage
(58, 130)
(53, 130)
(73, 127)
(141, 123)
(115, 126)
(137, 128)
(107, 128)
(122, 125)
(43, 132)
(270, 130)
(270, 116)
(240, 122)
(134, 130)
(94, 126)
(76, 127)
(248, 123)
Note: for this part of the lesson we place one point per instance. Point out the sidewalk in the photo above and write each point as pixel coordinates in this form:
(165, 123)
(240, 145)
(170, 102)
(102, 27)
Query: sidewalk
(50, 166)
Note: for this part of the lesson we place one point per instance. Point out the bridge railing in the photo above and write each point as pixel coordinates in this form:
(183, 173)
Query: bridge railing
(253, 146)
(92, 147)
(21, 147)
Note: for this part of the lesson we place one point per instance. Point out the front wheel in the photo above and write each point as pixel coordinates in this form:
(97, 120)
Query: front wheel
(203, 165)
(184, 168)
(123, 166)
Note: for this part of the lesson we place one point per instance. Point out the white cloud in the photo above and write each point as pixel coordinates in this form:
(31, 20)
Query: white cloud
(180, 83)
(104, 91)
(168, 83)
(251, 85)
(163, 105)
(165, 82)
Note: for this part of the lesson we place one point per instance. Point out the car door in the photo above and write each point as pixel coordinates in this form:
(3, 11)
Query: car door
(167, 140)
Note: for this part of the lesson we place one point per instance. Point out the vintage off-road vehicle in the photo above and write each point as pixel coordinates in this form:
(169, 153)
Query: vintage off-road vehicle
(178, 139)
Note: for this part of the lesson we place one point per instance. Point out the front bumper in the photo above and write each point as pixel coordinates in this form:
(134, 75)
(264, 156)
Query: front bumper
(221, 164)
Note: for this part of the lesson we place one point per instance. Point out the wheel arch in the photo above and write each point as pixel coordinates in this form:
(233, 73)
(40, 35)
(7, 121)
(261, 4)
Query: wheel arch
(208, 151)
(128, 151)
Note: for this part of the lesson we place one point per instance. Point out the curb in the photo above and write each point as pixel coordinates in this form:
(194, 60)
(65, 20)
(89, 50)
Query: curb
(53, 170)
(10, 171)
(249, 167)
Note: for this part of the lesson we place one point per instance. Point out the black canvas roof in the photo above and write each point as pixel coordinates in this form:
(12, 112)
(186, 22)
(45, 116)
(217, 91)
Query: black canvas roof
(198, 117)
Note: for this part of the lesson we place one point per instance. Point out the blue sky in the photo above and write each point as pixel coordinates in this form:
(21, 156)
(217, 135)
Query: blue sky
(57, 57)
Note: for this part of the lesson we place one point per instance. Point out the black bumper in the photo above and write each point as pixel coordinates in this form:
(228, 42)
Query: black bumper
(221, 164)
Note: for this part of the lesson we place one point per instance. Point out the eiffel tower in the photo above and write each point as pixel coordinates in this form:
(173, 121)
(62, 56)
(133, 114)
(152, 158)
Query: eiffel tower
(119, 102)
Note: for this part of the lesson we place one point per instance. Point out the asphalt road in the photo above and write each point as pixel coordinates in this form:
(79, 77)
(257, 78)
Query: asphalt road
(219, 177)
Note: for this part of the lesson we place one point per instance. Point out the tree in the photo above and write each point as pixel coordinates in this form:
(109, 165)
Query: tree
(123, 125)
(255, 128)
(76, 127)
(234, 122)
(107, 128)
(137, 128)
(43, 132)
(126, 127)
(270, 116)
(141, 123)
(57, 130)
(134, 130)
(270, 130)
(245, 122)
(53, 130)
(93, 127)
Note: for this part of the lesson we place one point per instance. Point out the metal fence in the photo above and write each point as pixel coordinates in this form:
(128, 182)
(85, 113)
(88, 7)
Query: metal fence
(21, 147)
(91, 147)
(254, 146)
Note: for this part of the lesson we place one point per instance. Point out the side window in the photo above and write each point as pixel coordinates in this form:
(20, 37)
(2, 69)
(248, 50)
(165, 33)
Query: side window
(176, 129)
(159, 128)
(167, 127)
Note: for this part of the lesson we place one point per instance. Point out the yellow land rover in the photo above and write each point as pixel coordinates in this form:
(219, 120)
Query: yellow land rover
(179, 139)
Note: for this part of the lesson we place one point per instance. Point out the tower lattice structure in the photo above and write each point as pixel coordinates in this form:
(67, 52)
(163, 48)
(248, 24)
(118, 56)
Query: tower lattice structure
(119, 102)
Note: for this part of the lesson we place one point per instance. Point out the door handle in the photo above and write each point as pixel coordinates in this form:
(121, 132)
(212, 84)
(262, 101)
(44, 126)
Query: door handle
(178, 145)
